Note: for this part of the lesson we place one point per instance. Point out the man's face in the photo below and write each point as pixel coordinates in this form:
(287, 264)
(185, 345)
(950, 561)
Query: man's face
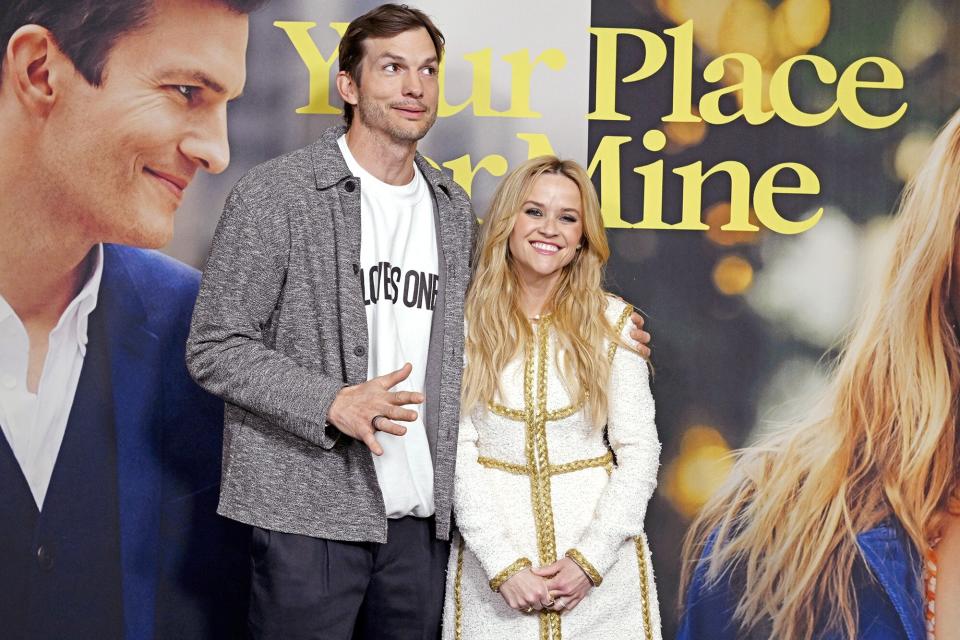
(123, 153)
(398, 89)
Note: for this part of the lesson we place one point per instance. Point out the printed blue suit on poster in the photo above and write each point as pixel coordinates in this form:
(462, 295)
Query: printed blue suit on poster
(128, 541)
(890, 600)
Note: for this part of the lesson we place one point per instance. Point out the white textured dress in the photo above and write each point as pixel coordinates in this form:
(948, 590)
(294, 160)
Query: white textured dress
(536, 479)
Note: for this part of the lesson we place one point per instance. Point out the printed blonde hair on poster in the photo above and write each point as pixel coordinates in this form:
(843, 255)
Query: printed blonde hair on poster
(885, 445)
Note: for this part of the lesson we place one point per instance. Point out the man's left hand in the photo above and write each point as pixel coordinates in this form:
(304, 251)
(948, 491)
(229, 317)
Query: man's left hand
(641, 337)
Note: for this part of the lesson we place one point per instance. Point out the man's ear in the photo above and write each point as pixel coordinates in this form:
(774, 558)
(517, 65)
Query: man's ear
(34, 67)
(347, 88)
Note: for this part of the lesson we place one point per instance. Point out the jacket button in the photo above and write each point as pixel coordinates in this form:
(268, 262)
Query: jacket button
(359, 351)
(350, 186)
(45, 557)
(356, 268)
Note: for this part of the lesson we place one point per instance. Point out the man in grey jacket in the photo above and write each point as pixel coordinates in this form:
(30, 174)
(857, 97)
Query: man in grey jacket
(320, 337)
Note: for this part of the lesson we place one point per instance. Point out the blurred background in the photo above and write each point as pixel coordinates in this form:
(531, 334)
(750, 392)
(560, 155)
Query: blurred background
(745, 325)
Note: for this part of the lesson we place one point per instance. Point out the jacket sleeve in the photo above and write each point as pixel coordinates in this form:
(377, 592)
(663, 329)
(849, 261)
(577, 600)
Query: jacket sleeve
(226, 351)
(480, 519)
(632, 435)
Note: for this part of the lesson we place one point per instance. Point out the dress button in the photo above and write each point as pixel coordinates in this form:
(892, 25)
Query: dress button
(8, 381)
(359, 350)
(45, 557)
(350, 186)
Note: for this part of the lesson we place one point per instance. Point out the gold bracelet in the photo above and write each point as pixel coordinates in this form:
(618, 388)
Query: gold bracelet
(497, 581)
(592, 574)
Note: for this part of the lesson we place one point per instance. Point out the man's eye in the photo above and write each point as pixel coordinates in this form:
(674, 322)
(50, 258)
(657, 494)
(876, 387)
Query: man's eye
(186, 91)
(391, 67)
(430, 71)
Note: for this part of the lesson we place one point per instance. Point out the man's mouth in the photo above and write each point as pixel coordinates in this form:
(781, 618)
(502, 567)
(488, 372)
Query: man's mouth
(174, 184)
(411, 111)
(545, 248)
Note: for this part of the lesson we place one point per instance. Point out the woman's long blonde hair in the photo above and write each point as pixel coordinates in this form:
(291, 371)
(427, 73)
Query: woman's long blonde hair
(786, 521)
(498, 329)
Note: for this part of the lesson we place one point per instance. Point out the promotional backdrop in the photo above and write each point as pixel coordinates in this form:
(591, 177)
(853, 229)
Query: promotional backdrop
(747, 153)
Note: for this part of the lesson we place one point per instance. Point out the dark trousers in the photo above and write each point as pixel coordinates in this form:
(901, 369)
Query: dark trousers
(317, 589)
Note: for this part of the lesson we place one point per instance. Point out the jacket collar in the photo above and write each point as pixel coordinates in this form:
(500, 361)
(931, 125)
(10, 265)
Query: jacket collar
(135, 364)
(893, 560)
(330, 168)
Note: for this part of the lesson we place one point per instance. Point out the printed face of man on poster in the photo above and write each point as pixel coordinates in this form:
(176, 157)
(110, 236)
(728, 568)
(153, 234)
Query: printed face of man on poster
(110, 457)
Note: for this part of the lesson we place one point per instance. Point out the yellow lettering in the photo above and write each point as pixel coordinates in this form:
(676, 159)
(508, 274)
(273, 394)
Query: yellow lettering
(480, 90)
(763, 200)
(537, 145)
(682, 73)
(521, 70)
(607, 158)
(850, 83)
(693, 179)
(783, 103)
(318, 67)
(464, 172)
(751, 88)
(605, 92)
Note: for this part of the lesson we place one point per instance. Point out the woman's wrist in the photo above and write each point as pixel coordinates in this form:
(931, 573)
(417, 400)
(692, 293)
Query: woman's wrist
(581, 561)
(519, 565)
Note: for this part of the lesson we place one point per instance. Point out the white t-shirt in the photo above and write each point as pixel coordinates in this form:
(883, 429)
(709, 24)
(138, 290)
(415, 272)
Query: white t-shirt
(399, 272)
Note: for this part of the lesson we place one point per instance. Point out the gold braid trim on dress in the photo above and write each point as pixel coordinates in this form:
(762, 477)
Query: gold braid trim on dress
(592, 574)
(644, 587)
(605, 461)
(519, 565)
(621, 323)
(457, 596)
(520, 415)
(538, 460)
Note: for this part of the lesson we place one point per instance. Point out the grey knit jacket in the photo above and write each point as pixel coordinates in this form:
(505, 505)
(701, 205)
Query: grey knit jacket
(280, 327)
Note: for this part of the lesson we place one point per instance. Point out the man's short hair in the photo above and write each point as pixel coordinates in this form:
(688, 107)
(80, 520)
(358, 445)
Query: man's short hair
(86, 30)
(385, 21)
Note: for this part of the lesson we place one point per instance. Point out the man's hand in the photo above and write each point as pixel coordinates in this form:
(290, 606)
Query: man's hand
(354, 409)
(524, 591)
(641, 337)
(567, 582)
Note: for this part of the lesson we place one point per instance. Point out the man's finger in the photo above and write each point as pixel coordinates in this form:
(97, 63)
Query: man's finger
(371, 442)
(401, 398)
(399, 413)
(393, 378)
(388, 426)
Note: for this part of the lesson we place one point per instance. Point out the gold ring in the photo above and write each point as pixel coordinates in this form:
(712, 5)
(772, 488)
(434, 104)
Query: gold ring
(528, 610)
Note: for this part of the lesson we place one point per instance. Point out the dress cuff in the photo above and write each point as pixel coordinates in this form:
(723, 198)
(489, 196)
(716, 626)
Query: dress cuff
(583, 563)
(497, 581)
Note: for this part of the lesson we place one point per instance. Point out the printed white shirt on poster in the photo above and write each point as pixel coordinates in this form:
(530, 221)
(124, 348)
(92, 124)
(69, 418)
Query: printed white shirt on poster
(34, 423)
(399, 275)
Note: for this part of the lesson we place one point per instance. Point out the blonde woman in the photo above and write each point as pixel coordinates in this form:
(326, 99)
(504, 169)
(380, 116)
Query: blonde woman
(557, 453)
(847, 526)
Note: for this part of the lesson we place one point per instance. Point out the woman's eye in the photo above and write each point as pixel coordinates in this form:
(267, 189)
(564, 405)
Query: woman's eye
(533, 212)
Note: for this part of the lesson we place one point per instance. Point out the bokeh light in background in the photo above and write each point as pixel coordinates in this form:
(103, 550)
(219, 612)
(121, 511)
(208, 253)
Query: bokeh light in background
(700, 467)
(732, 275)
